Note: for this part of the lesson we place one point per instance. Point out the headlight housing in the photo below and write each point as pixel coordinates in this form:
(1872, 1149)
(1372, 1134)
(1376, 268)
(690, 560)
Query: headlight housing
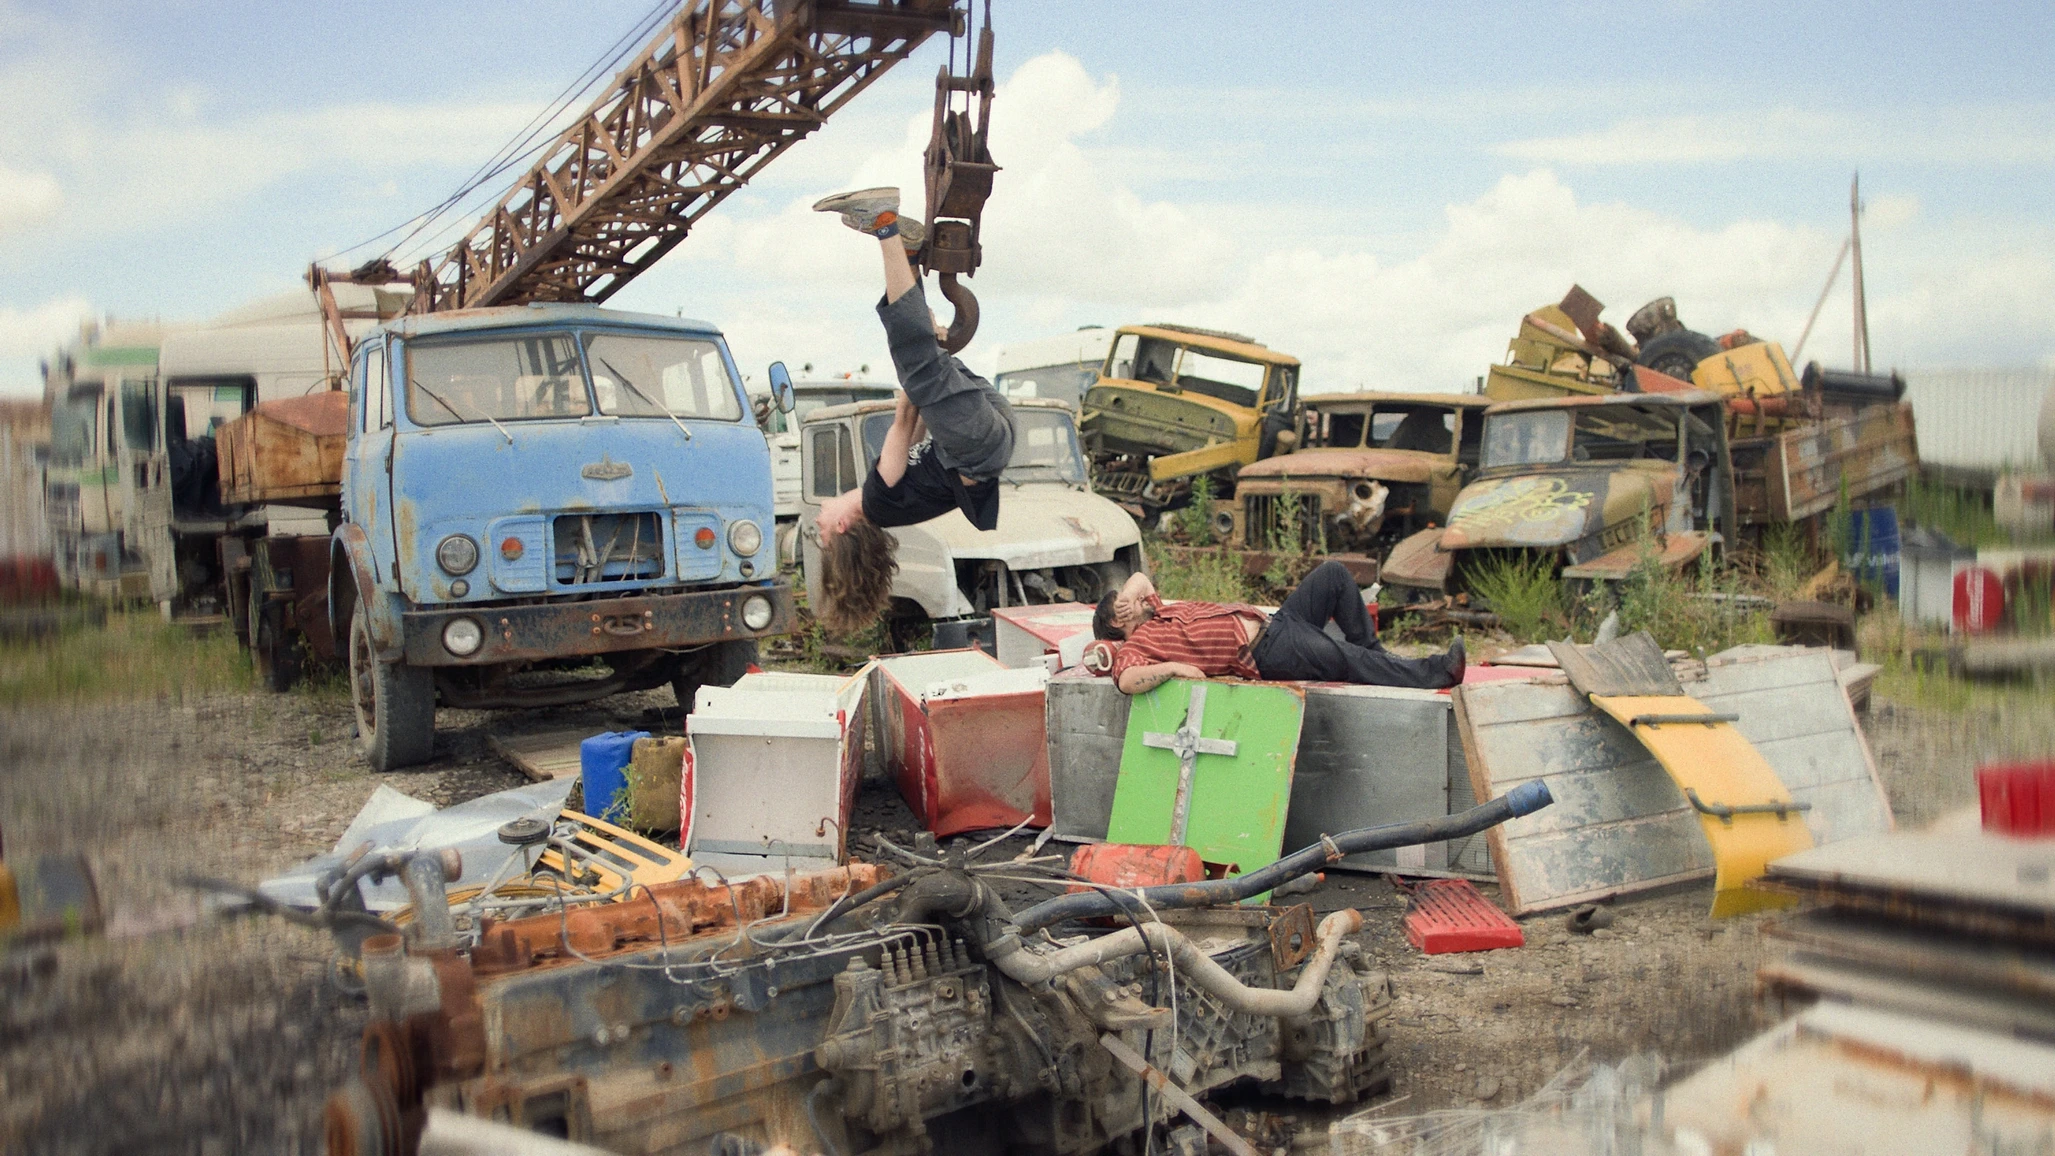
(756, 612)
(463, 636)
(456, 554)
(745, 537)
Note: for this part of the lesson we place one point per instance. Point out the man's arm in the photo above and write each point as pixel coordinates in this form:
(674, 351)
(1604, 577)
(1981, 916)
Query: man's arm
(1133, 593)
(898, 439)
(1141, 679)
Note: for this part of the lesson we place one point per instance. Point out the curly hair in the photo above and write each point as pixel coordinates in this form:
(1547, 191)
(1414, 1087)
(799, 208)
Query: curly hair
(857, 566)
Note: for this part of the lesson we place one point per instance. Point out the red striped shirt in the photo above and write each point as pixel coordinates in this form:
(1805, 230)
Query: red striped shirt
(1208, 635)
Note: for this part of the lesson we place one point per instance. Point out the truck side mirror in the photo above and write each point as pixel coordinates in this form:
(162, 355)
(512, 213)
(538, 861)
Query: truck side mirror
(781, 387)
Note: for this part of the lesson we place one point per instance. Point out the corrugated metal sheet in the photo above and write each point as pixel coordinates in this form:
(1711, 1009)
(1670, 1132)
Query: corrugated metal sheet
(1978, 418)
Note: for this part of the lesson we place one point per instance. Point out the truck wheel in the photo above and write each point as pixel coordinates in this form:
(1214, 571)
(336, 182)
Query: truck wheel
(1677, 352)
(395, 703)
(274, 651)
(717, 665)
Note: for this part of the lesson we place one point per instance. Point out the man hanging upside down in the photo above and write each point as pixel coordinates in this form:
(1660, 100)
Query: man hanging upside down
(1215, 640)
(950, 440)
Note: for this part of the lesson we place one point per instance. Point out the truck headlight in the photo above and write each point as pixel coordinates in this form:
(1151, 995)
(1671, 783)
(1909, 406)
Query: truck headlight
(463, 636)
(456, 554)
(745, 537)
(756, 612)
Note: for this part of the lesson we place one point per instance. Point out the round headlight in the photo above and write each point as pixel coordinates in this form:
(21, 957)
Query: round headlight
(456, 554)
(463, 636)
(756, 612)
(745, 537)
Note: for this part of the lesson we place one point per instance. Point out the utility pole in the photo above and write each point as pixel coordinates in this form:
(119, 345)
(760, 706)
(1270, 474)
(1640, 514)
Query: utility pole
(1855, 250)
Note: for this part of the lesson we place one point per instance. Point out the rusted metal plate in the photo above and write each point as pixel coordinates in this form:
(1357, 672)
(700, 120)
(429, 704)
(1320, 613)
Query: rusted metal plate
(1620, 825)
(287, 452)
(597, 626)
(1630, 665)
(1811, 469)
(966, 739)
(1086, 725)
(1970, 867)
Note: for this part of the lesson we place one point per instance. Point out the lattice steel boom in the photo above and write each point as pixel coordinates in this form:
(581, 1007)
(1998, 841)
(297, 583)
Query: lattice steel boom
(725, 88)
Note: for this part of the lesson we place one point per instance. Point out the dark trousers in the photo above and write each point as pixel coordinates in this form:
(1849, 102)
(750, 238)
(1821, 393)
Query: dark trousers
(972, 425)
(1296, 645)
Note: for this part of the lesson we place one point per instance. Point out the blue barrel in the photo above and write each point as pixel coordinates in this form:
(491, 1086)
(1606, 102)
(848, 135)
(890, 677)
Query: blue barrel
(603, 771)
(1873, 548)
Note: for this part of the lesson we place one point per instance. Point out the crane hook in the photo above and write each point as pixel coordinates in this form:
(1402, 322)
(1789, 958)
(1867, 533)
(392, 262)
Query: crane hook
(959, 179)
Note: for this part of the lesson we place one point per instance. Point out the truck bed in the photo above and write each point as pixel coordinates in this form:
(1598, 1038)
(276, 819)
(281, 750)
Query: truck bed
(287, 452)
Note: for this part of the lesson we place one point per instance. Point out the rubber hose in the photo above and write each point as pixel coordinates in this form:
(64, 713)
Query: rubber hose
(1524, 799)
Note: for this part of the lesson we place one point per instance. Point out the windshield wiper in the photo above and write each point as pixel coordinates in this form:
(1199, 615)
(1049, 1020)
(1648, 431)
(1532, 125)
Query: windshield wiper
(623, 379)
(444, 403)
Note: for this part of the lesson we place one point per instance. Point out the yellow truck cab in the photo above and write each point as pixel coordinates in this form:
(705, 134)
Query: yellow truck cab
(1174, 403)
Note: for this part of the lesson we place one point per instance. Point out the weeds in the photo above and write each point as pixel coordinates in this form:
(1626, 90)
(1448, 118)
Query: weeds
(1526, 593)
(135, 654)
(1195, 521)
(1201, 576)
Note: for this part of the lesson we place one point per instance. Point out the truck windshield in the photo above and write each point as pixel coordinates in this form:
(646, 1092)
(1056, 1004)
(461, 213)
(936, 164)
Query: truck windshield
(1044, 446)
(638, 375)
(1065, 382)
(1531, 438)
(509, 378)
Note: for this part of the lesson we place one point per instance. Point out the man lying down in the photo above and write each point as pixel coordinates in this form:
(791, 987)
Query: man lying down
(1229, 640)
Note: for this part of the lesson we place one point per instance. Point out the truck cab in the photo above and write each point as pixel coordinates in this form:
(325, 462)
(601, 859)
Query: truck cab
(1173, 404)
(545, 504)
(1371, 468)
(781, 430)
(1595, 482)
(1056, 540)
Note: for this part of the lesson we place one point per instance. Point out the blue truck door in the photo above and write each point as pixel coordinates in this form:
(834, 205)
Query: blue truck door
(367, 475)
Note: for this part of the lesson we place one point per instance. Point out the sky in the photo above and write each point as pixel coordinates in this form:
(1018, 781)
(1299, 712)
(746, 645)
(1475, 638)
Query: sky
(1380, 190)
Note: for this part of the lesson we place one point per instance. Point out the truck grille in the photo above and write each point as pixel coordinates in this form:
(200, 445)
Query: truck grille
(593, 548)
(1283, 522)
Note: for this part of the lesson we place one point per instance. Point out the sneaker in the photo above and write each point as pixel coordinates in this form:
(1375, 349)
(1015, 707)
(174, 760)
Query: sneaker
(911, 234)
(1457, 662)
(873, 211)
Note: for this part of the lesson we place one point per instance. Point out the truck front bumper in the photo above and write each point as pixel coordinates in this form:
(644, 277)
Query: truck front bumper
(596, 626)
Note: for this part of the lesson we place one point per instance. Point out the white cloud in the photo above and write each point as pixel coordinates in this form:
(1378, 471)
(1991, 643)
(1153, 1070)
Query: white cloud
(27, 199)
(1068, 240)
(38, 330)
(1963, 136)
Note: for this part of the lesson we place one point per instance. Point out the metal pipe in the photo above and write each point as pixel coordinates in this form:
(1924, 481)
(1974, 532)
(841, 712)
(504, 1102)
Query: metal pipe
(1032, 967)
(1524, 799)
(1178, 1097)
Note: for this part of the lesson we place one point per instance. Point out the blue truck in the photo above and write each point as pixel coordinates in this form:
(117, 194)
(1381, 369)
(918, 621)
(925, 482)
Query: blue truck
(545, 504)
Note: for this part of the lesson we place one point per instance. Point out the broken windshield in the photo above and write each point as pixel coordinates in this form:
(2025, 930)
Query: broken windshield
(1602, 433)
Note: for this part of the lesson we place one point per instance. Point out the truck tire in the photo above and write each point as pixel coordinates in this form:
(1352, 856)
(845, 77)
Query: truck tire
(1677, 352)
(395, 703)
(274, 650)
(717, 665)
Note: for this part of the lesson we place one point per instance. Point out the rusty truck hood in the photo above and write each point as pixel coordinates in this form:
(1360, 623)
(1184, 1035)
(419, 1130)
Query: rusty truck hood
(1381, 465)
(1550, 508)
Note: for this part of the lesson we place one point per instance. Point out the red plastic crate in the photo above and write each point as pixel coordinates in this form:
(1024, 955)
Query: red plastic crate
(2018, 798)
(1451, 915)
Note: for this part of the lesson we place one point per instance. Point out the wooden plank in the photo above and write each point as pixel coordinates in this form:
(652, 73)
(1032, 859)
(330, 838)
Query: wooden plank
(1619, 824)
(542, 756)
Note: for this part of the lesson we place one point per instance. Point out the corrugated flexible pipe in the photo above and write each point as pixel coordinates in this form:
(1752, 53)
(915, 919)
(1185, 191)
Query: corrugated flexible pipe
(1029, 966)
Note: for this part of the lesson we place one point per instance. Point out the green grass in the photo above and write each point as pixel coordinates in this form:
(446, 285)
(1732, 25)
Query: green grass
(1665, 603)
(134, 654)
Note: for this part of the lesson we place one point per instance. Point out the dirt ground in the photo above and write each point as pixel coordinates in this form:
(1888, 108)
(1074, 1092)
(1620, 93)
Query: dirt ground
(178, 1032)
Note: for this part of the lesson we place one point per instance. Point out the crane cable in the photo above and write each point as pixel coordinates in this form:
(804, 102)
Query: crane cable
(524, 144)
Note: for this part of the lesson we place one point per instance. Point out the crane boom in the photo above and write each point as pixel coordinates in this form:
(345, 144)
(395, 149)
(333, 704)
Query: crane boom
(720, 92)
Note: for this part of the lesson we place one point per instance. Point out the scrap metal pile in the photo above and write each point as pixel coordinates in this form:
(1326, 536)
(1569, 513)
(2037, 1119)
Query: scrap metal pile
(852, 1009)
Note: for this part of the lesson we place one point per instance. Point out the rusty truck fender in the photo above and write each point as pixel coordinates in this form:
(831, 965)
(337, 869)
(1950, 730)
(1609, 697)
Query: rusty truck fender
(353, 570)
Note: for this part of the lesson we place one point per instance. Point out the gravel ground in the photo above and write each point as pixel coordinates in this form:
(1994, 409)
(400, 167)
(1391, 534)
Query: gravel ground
(180, 1033)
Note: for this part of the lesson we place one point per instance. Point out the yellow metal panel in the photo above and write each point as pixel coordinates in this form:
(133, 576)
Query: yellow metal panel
(1239, 452)
(1758, 370)
(1722, 769)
